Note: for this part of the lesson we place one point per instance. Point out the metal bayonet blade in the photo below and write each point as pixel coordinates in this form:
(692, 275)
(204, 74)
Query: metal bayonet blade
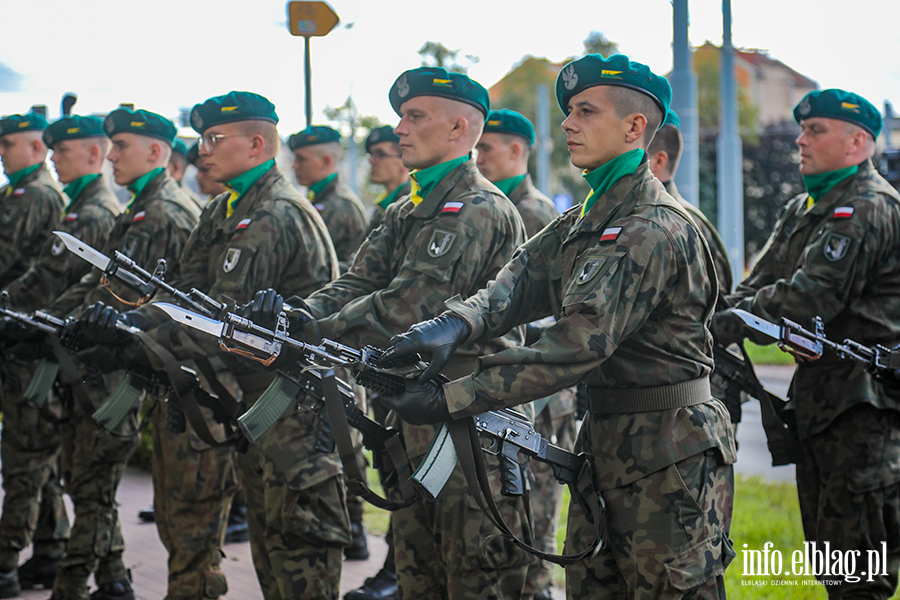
(191, 319)
(76, 246)
(760, 325)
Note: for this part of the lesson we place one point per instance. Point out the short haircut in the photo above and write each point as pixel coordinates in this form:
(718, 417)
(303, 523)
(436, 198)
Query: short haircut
(628, 102)
(266, 129)
(669, 140)
(509, 138)
(332, 149)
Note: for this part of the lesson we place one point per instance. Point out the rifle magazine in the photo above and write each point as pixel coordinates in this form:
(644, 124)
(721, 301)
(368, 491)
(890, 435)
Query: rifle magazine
(126, 396)
(42, 382)
(268, 408)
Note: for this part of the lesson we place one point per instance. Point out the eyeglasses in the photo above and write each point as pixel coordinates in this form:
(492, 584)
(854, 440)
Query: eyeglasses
(379, 155)
(210, 140)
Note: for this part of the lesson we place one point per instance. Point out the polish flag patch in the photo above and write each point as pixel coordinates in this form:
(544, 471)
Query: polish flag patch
(319, 207)
(243, 224)
(139, 217)
(610, 234)
(452, 208)
(18, 191)
(71, 217)
(843, 212)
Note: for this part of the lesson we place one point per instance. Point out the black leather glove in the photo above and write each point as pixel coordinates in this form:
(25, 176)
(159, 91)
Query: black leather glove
(16, 331)
(438, 338)
(420, 403)
(268, 304)
(106, 358)
(98, 323)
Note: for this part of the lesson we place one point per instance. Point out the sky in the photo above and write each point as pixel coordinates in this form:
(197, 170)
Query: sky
(168, 54)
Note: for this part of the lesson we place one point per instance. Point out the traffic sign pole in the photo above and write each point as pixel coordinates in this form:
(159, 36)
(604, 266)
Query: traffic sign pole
(306, 20)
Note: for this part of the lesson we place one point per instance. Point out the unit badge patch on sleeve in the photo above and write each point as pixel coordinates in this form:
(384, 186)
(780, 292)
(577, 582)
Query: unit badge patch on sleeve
(440, 244)
(232, 256)
(836, 246)
(57, 248)
(590, 269)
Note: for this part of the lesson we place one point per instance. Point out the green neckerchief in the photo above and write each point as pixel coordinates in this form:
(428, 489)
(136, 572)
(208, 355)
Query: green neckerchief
(76, 187)
(140, 183)
(244, 182)
(820, 184)
(388, 198)
(603, 177)
(316, 188)
(508, 185)
(15, 178)
(424, 180)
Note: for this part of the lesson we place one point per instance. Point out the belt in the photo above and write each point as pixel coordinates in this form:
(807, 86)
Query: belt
(605, 401)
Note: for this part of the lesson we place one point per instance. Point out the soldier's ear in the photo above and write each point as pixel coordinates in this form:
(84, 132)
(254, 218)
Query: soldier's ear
(459, 129)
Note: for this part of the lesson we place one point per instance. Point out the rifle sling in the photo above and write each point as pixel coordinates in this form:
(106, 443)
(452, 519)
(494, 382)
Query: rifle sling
(471, 460)
(231, 406)
(781, 441)
(70, 375)
(183, 388)
(356, 480)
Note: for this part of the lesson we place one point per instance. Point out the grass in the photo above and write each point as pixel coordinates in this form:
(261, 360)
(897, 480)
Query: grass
(763, 512)
(767, 355)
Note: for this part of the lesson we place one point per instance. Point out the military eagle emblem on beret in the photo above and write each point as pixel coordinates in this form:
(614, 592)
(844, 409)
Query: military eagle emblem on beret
(570, 77)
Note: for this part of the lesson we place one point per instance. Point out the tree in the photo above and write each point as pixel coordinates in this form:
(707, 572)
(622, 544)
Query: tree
(435, 54)
(597, 43)
(706, 65)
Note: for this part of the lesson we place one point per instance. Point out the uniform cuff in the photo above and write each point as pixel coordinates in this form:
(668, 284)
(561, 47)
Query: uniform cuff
(460, 397)
(471, 316)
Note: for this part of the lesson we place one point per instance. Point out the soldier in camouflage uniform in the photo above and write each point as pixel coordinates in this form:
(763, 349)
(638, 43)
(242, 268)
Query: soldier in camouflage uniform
(448, 237)
(154, 225)
(317, 154)
(262, 233)
(631, 285)
(503, 152)
(177, 167)
(387, 169)
(32, 205)
(664, 155)
(835, 253)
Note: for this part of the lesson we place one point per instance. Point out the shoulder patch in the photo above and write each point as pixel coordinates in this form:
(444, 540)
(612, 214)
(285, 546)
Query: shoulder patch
(71, 217)
(452, 208)
(843, 212)
(232, 256)
(243, 224)
(319, 207)
(610, 234)
(836, 246)
(18, 191)
(440, 244)
(139, 217)
(58, 247)
(590, 269)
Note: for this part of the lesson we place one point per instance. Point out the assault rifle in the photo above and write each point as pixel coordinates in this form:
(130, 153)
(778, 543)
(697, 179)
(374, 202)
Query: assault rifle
(809, 345)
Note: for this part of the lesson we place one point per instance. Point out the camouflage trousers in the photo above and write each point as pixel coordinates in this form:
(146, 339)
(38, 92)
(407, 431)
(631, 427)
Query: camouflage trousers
(668, 536)
(93, 464)
(33, 509)
(546, 495)
(296, 511)
(848, 483)
(193, 486)
(449, 550)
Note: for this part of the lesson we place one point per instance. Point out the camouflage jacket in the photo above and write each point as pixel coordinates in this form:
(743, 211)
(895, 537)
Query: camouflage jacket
(839, 260)
(346, 219)
(453, 242)
(536, 209)
(156, 226)
(28, 215)
(89, 217)
(717, 248)
(377, 213)
(631, 289)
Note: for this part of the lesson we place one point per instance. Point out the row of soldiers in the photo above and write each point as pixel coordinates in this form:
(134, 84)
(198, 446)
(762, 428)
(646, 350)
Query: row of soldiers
(627, 275)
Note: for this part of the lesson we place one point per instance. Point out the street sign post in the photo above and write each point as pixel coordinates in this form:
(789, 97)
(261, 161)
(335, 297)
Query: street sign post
(306, 20)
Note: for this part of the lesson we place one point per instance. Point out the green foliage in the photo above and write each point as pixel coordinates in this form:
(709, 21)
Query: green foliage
(768, 355)
(597, 43)
(706, 66)
(435, 54)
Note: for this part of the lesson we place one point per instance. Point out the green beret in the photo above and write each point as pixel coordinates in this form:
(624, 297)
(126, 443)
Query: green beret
(382, 134)
(73, 128)
(194, 153)
(618, 69)
(179, 147)
(312, 135)
(233, 106)
(509, 121)
(141, 122)
(17, 123)
(672, 119)
(435, 81)
(842, 105)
